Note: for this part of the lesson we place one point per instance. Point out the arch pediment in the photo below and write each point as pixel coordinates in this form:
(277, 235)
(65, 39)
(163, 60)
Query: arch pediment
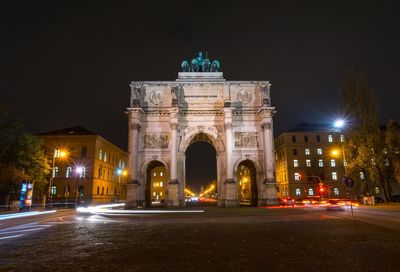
(201, 133)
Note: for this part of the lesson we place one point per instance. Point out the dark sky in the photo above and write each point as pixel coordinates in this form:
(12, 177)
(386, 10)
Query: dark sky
(64, 63)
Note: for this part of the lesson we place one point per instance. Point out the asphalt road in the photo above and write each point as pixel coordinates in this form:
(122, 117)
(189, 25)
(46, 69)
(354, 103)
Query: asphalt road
(220, 239)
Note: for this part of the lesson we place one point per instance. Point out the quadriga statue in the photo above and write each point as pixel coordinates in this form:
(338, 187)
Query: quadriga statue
(200, 64)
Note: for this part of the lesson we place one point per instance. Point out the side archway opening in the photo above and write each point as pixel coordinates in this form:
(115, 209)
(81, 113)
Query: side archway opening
(156, 183)
(247, 183)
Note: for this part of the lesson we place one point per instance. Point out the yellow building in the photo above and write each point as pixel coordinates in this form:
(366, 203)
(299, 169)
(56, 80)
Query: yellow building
(86, 167)
(309, 163)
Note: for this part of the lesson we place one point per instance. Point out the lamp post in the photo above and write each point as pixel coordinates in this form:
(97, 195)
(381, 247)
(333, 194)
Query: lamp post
(58, 153)
(79, 171)
(120, 172)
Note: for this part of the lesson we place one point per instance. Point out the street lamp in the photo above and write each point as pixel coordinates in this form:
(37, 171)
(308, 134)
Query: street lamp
(58, 153)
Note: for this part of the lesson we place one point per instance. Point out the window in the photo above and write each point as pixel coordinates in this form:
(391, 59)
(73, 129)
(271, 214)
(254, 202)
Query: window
(154, 174)
(306, 138)
(102, 191)
(55, 171)
(161, 174)
(53, 190)
(342, 138)
(293, 138)
(311, 191)
(56, 153)
(107, 191)
(82, 172)
(298, 192)
(336, 191)
(307, 151)
(296, 176)
(362, 176)
(318, 138)
(295, 163)
(334, 175)
(295, 152)
(386, 162)
(333, 163)
(84, 152)
(98, 190)
(69, 172)
(376, 190)
(320, 163)
(161, 184)
(105, 156)
(308, 163)
(101, 154)
(319, 151)
(330, 138)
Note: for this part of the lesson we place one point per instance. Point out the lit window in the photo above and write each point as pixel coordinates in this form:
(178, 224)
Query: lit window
(319, 151)
(56, 153)
(123, 164)
(376, 190)
(311, 191)
(386, 162)
(101, 154)
(69, 172)
(396, 150)
(155, 184)
(384, 151)
(105, 156)
(342, 138)
(307, 151)
(308, 163)
(336, 191)
(333, 163)
(160, 193)
(362, 176)
(320, 163)
(55, 171)
(334, 175)
(155, 174)
(295, 163)
(154, 193)
(161, 174)
(161, 184)
(330, 138)
(53, 190)
(298, 192)
(296, 176)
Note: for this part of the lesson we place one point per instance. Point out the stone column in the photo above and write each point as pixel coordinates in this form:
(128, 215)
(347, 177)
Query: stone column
(231, 199)
(270, 195)
(173, 183)
(134, 190)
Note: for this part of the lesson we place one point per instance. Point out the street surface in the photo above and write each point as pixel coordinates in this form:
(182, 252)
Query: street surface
(220, 239)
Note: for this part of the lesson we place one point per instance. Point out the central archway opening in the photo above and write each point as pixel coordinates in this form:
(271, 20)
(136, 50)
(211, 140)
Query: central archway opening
(201, 172)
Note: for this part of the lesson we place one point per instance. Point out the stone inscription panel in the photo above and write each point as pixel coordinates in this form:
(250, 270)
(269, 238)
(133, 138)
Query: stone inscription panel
(246, 139)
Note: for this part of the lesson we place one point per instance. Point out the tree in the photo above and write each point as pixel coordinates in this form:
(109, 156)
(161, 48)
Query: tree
(21, 155)
(365, 146)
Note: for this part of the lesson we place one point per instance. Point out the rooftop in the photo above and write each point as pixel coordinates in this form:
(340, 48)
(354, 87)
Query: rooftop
(77, 130)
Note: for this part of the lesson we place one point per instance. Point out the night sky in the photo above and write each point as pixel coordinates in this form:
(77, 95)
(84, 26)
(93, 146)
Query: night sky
(64, 64)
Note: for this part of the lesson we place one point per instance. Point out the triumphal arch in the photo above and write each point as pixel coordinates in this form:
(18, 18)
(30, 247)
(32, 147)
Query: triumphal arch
(166, 117)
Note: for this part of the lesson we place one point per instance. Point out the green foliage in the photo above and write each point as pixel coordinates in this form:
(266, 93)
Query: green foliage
(21, 154)
(366, 148)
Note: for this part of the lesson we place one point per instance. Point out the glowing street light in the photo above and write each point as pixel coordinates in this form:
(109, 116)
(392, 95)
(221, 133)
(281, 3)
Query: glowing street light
(335, 152)
(340, 123)
(58, 153)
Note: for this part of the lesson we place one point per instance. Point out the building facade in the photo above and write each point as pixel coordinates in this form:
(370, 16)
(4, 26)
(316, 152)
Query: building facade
(235, 117)
(309, 163)
(86, 167)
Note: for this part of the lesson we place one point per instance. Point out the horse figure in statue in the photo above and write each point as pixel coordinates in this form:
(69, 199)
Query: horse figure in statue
(200, 64)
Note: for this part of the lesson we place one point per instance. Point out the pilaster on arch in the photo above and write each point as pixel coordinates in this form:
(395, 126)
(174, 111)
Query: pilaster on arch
(191, 134)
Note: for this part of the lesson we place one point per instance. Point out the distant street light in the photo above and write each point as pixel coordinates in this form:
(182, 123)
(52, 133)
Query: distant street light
(58, 153)
(340, 123)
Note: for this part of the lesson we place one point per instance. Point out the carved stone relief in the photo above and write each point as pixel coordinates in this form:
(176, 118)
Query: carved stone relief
(155, 97)
(244, 96)
(155, 141)
(246, 139)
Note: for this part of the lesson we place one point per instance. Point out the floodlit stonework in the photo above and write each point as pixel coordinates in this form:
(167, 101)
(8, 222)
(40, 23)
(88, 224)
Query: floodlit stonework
(236, 117)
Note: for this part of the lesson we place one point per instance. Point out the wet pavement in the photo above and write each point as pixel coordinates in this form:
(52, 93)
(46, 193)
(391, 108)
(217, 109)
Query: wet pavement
(240, 239)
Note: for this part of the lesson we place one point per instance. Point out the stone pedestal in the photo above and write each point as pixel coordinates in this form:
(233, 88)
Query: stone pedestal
(133, 199)
(231, 199)
(271, 193)
(173, 198)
